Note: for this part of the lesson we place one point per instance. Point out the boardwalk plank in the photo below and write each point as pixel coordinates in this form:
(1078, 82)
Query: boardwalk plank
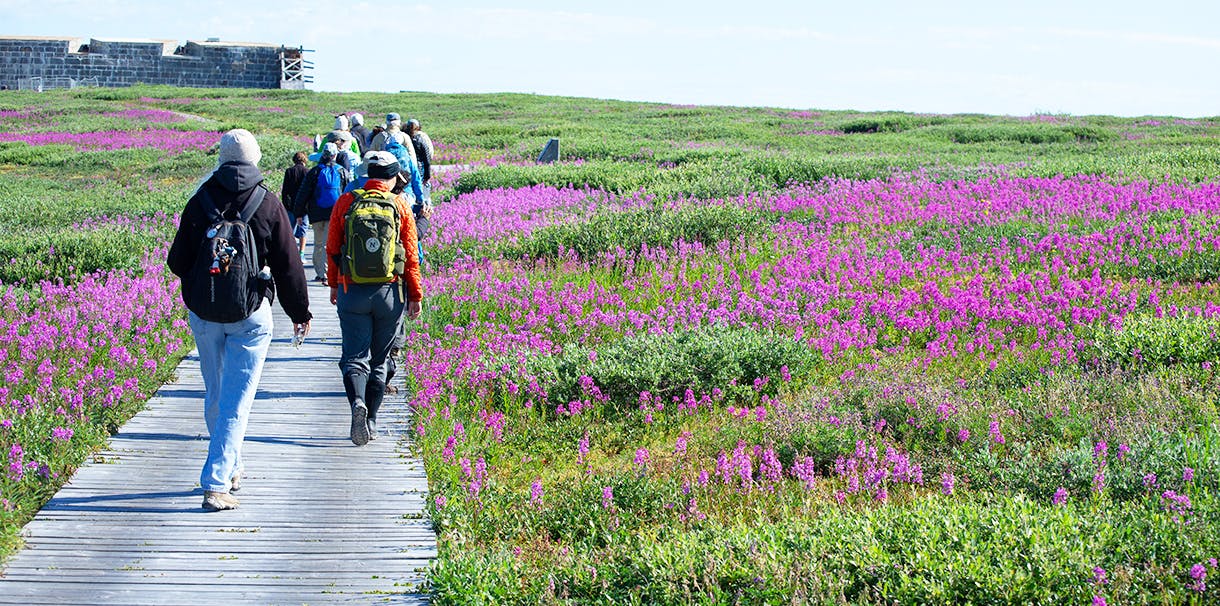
(321, 521)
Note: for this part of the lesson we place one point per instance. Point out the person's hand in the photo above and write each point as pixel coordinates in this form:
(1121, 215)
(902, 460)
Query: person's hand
(298, 333)
(413, 309)
(427, 208)
(334, 295)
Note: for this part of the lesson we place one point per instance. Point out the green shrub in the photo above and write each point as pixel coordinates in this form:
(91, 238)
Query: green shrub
(1026, 134)
(667, 364)
(49, 254)
(634, 229)
(885, 123)
(1148, 340)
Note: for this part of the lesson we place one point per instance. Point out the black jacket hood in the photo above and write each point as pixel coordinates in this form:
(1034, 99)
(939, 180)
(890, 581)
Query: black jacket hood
(238, 176)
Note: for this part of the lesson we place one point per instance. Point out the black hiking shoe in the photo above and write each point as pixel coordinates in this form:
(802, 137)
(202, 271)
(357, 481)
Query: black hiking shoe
(360, 423)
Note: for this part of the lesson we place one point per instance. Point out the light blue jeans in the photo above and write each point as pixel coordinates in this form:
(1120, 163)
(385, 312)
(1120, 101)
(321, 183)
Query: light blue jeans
(231, 357)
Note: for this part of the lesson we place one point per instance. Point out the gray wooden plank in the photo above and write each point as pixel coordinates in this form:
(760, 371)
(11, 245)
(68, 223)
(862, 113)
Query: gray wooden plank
(321, 521)
(272, 581)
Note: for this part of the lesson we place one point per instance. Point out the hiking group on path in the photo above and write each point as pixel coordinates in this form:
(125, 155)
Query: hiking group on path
(366, 199)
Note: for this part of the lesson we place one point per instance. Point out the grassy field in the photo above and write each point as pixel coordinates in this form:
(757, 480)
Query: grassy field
(715, 355)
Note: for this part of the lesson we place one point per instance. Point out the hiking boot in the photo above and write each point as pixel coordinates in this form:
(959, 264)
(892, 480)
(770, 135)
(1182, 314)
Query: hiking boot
(360, 423)
(372, 430)
(218, 501)
(235, 481)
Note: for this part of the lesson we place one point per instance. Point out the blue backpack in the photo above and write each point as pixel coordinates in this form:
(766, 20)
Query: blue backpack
(399, 150)
(330, 185)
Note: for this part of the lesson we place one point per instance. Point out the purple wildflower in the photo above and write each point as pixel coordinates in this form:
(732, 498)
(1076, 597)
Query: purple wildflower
(641, 458)
(680, 443)
(994, 430)
(771, 468)
(582, 449)
(536, 493)
(1198, 574)
(1149, 481)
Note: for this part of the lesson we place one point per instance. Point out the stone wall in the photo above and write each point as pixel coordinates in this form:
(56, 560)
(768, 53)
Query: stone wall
(126, 62)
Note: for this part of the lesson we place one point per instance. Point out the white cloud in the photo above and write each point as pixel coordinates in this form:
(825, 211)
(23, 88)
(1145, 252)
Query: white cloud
(1138, 37)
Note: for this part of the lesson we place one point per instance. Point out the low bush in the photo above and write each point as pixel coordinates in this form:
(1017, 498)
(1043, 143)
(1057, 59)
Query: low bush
(1150, 340)
(70, 254)
(667, 365)
(1026, 134)
(634, 229)
(889, 123)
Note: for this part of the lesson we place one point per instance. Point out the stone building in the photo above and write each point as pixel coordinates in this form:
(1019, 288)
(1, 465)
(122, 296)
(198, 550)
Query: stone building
(38, 62)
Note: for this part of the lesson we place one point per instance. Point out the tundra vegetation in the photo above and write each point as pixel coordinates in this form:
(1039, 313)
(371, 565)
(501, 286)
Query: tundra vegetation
(713, 355)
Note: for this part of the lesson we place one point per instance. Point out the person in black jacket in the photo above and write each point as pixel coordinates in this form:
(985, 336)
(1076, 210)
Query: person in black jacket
(293, 176)
(231, 354)
(423, 150)
(316, 203)
(361, 133)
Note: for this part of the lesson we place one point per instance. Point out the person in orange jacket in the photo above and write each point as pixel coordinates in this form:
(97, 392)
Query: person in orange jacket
(371, 309)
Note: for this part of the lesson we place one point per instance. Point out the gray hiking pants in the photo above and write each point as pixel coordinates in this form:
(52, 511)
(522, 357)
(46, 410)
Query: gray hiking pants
(370, 315)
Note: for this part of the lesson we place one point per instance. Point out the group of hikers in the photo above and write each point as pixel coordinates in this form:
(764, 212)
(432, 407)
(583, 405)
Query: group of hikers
(238, 244)
(309, 194)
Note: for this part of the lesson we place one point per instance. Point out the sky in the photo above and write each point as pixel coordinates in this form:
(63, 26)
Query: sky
(1019, 57)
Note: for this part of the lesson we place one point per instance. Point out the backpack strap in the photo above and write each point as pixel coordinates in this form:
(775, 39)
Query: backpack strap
(247, 213)
(256, 200)
(209, 205)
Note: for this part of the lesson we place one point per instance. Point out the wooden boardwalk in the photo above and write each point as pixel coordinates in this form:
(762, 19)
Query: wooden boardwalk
(321, 521)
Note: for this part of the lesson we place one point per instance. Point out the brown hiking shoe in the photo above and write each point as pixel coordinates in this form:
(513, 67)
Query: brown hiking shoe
(218, 501)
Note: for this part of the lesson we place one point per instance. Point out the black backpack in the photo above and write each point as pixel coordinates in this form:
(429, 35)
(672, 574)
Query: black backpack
(224, 284)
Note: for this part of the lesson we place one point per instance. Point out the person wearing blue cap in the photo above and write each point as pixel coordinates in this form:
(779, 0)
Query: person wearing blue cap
(393, 131)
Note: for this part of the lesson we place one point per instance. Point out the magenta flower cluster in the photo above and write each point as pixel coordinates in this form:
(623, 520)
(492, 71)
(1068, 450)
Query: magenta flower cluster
(977, 290)
(166, 140)
(70, 352)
